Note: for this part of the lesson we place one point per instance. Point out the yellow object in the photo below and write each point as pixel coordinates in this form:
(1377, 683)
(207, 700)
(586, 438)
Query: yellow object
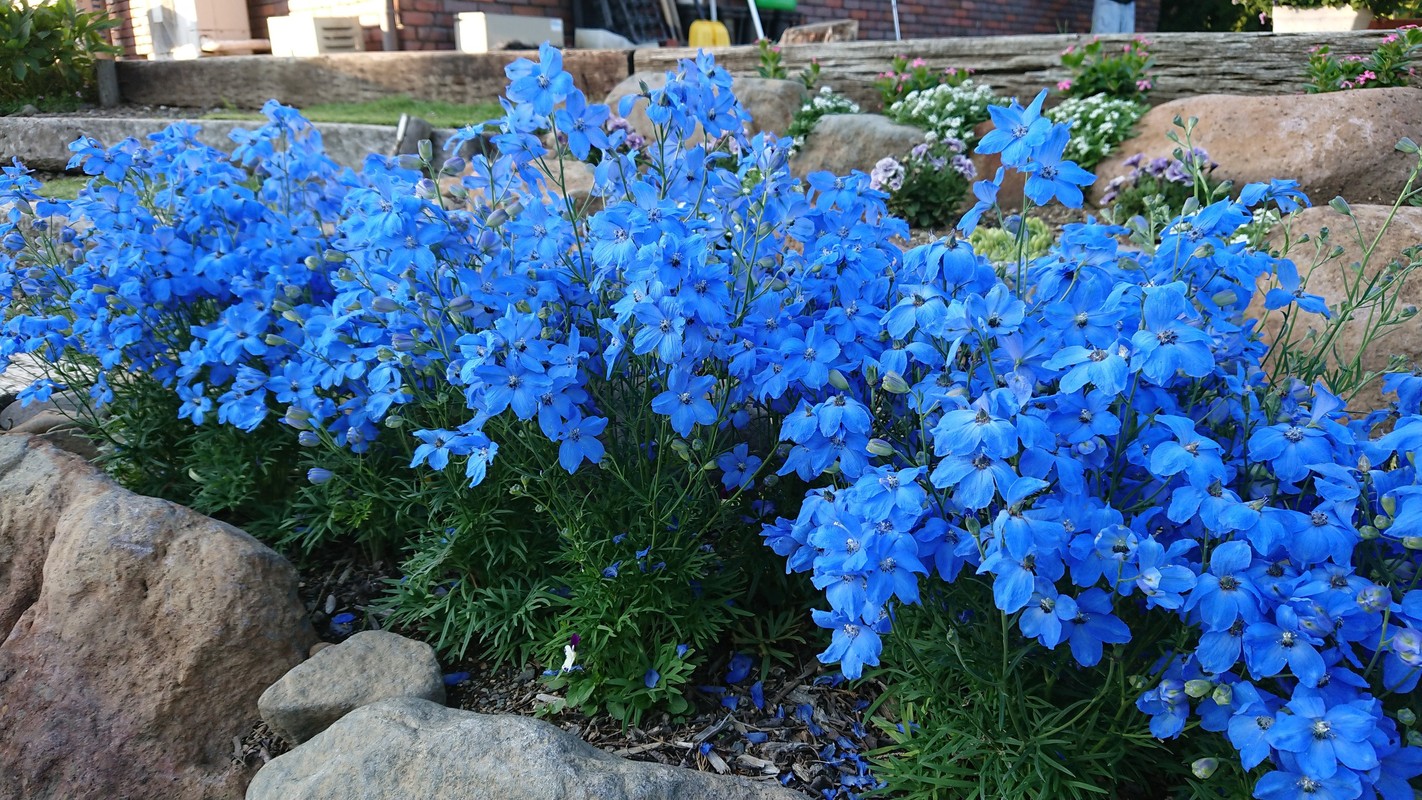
(708, 33)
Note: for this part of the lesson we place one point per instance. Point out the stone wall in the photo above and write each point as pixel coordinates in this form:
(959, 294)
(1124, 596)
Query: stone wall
(249, 81)
(1185, 63)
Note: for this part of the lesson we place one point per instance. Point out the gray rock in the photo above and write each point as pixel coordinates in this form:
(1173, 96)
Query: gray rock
(26, 110)
(406, 748)
(409, 133)
(366, 668)
(43, 142)
(842, 143)
(770, 103)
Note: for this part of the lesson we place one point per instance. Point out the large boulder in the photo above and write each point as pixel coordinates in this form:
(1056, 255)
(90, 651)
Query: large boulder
(1338, 143)
(137, 636)
(771, 103)
(407, 748)
(366, 668)
(1331, 278)
(842, 143)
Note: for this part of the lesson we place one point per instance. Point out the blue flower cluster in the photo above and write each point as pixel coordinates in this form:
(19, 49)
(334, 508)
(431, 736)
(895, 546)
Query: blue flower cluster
(1094, 435)
(1096, 438)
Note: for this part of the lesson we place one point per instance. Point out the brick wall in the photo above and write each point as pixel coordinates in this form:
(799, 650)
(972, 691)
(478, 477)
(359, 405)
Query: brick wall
(919, 19)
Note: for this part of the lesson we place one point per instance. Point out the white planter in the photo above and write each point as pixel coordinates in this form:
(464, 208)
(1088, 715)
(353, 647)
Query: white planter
(1288, 19)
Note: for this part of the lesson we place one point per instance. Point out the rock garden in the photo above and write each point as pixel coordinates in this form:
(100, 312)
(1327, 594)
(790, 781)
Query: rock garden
(717, 438)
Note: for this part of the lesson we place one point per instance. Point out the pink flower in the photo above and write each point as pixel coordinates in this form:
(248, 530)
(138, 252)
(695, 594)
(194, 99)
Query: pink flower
(1368, 75)
(1143, 85)
(1064, 85)
(905, 76)
(1390, 38)
(1069, 50)
(1263, 18)
(918, 62)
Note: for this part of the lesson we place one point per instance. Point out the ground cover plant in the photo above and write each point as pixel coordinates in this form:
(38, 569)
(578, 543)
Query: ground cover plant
(1393, 63)
(1090, 543)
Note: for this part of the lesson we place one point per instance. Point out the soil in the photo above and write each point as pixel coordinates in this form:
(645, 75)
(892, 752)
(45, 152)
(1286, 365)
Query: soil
(809, 719)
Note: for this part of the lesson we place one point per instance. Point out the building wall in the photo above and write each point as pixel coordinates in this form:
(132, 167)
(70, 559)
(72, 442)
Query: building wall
(429, 24)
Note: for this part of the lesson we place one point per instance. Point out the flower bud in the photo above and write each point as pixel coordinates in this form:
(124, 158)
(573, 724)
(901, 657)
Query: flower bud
(394, 421)
(318, 475)
(460, 304)
(384, 305)
(297, 418)
(1223, 695)
(1389, 504)
(879, 447)
(308, 438)
(1412, 542)
(1374, 598)
(1407, 717)
(402, 342)
(1198, 688)
(1204, 767)
(894, 383)
(838, 381)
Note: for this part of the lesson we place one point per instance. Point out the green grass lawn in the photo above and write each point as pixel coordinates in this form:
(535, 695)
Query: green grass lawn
(64, 188)
(387, 111)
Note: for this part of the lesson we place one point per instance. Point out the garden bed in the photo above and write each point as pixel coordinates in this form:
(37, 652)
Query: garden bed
(1062, 509)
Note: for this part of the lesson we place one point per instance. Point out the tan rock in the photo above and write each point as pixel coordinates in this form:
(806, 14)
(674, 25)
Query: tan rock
(841, 30)
(366, 668)
(137, 636)
(841, 143)
(771, 104)
(1334, 144)
(1331, 277)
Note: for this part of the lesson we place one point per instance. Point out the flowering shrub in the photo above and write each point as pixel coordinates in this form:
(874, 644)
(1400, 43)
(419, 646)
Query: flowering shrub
(904, 77)
(1156, 184)
(1393, 63)
(1097, 69)
(823, 103)
(949, 111)
(1088, 441)
(928, 186)
(1075, 458)
(610, 381)
(1098, 124)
